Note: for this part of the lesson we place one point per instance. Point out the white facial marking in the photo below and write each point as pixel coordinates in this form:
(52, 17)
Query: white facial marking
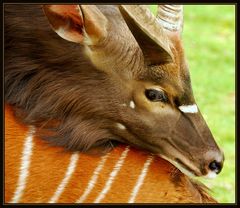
(188, 108)
(121, 126)
(124, 104)
(132, 104)
(210, 175)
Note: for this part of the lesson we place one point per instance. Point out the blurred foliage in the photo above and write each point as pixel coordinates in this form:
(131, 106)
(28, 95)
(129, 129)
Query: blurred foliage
(209, 43)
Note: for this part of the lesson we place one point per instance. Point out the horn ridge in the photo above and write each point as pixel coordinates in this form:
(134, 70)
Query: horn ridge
(170, 17)
(140, 16)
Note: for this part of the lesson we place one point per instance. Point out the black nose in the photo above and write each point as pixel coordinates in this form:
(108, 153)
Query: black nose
(215, 166)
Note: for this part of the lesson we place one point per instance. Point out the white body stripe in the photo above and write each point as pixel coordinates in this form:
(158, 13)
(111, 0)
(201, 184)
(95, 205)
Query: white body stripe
(188, 108)
(69, 172)
(24, 168)
(140, 179)
(112, 176)
(93, 180)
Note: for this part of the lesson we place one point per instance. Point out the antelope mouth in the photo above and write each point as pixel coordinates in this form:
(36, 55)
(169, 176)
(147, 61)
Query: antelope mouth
(183, 167)
(187, 170)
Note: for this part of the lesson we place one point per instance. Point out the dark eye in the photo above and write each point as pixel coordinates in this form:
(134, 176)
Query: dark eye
(155, 95)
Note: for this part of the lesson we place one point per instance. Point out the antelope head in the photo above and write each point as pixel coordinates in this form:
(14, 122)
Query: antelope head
(150, 103)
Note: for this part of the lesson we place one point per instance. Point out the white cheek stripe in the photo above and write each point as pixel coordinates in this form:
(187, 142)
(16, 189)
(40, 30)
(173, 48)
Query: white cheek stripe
(132, 104)
(188, 108)
(121, 126)
(124, 104)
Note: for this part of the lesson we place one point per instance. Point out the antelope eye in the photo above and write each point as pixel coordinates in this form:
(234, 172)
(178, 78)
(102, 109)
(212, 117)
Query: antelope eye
(155, 95)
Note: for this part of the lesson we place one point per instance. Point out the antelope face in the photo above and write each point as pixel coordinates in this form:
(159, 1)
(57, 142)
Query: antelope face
(143, 57)
(169, 122)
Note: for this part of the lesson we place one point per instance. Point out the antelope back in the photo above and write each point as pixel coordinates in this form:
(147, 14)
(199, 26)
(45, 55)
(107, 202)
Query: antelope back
(38, 173)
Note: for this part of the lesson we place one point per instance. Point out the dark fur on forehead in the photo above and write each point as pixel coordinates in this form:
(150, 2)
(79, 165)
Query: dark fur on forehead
(173, 76)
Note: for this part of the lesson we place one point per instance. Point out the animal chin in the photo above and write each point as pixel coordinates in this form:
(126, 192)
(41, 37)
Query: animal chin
(179, 167)
(210, 175)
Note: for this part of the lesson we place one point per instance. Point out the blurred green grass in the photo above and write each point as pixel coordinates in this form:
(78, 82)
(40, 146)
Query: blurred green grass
(209, 43)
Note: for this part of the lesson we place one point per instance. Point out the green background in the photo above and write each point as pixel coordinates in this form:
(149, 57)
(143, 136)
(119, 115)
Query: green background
(209, 43)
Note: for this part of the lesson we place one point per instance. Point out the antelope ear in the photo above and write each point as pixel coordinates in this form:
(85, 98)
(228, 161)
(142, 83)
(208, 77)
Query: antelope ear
(66, 21)
(77, 23)
(149, 35)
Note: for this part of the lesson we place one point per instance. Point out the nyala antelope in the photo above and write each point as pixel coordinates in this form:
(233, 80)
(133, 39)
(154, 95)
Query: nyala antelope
(93, 79)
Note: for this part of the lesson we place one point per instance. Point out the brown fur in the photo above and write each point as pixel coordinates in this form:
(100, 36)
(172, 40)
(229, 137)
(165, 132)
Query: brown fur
(162, 184)
(77, 93)
(62, 84)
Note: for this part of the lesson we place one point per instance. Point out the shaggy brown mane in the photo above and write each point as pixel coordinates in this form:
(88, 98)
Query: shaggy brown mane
(65, 86)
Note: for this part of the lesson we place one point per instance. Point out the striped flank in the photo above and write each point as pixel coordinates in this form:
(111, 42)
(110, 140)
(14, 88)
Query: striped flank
(36, 172)
(70, 170)
(25, 164)
(93, 180)
(140, 180)
(112, 176)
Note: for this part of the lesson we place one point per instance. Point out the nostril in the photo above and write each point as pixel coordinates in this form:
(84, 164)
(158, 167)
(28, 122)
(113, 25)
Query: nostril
(215, 166)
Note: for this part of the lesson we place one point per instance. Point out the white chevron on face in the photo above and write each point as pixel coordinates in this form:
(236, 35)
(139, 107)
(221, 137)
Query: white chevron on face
(188, 108)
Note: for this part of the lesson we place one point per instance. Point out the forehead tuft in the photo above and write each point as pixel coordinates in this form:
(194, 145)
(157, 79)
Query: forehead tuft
(163, 71)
